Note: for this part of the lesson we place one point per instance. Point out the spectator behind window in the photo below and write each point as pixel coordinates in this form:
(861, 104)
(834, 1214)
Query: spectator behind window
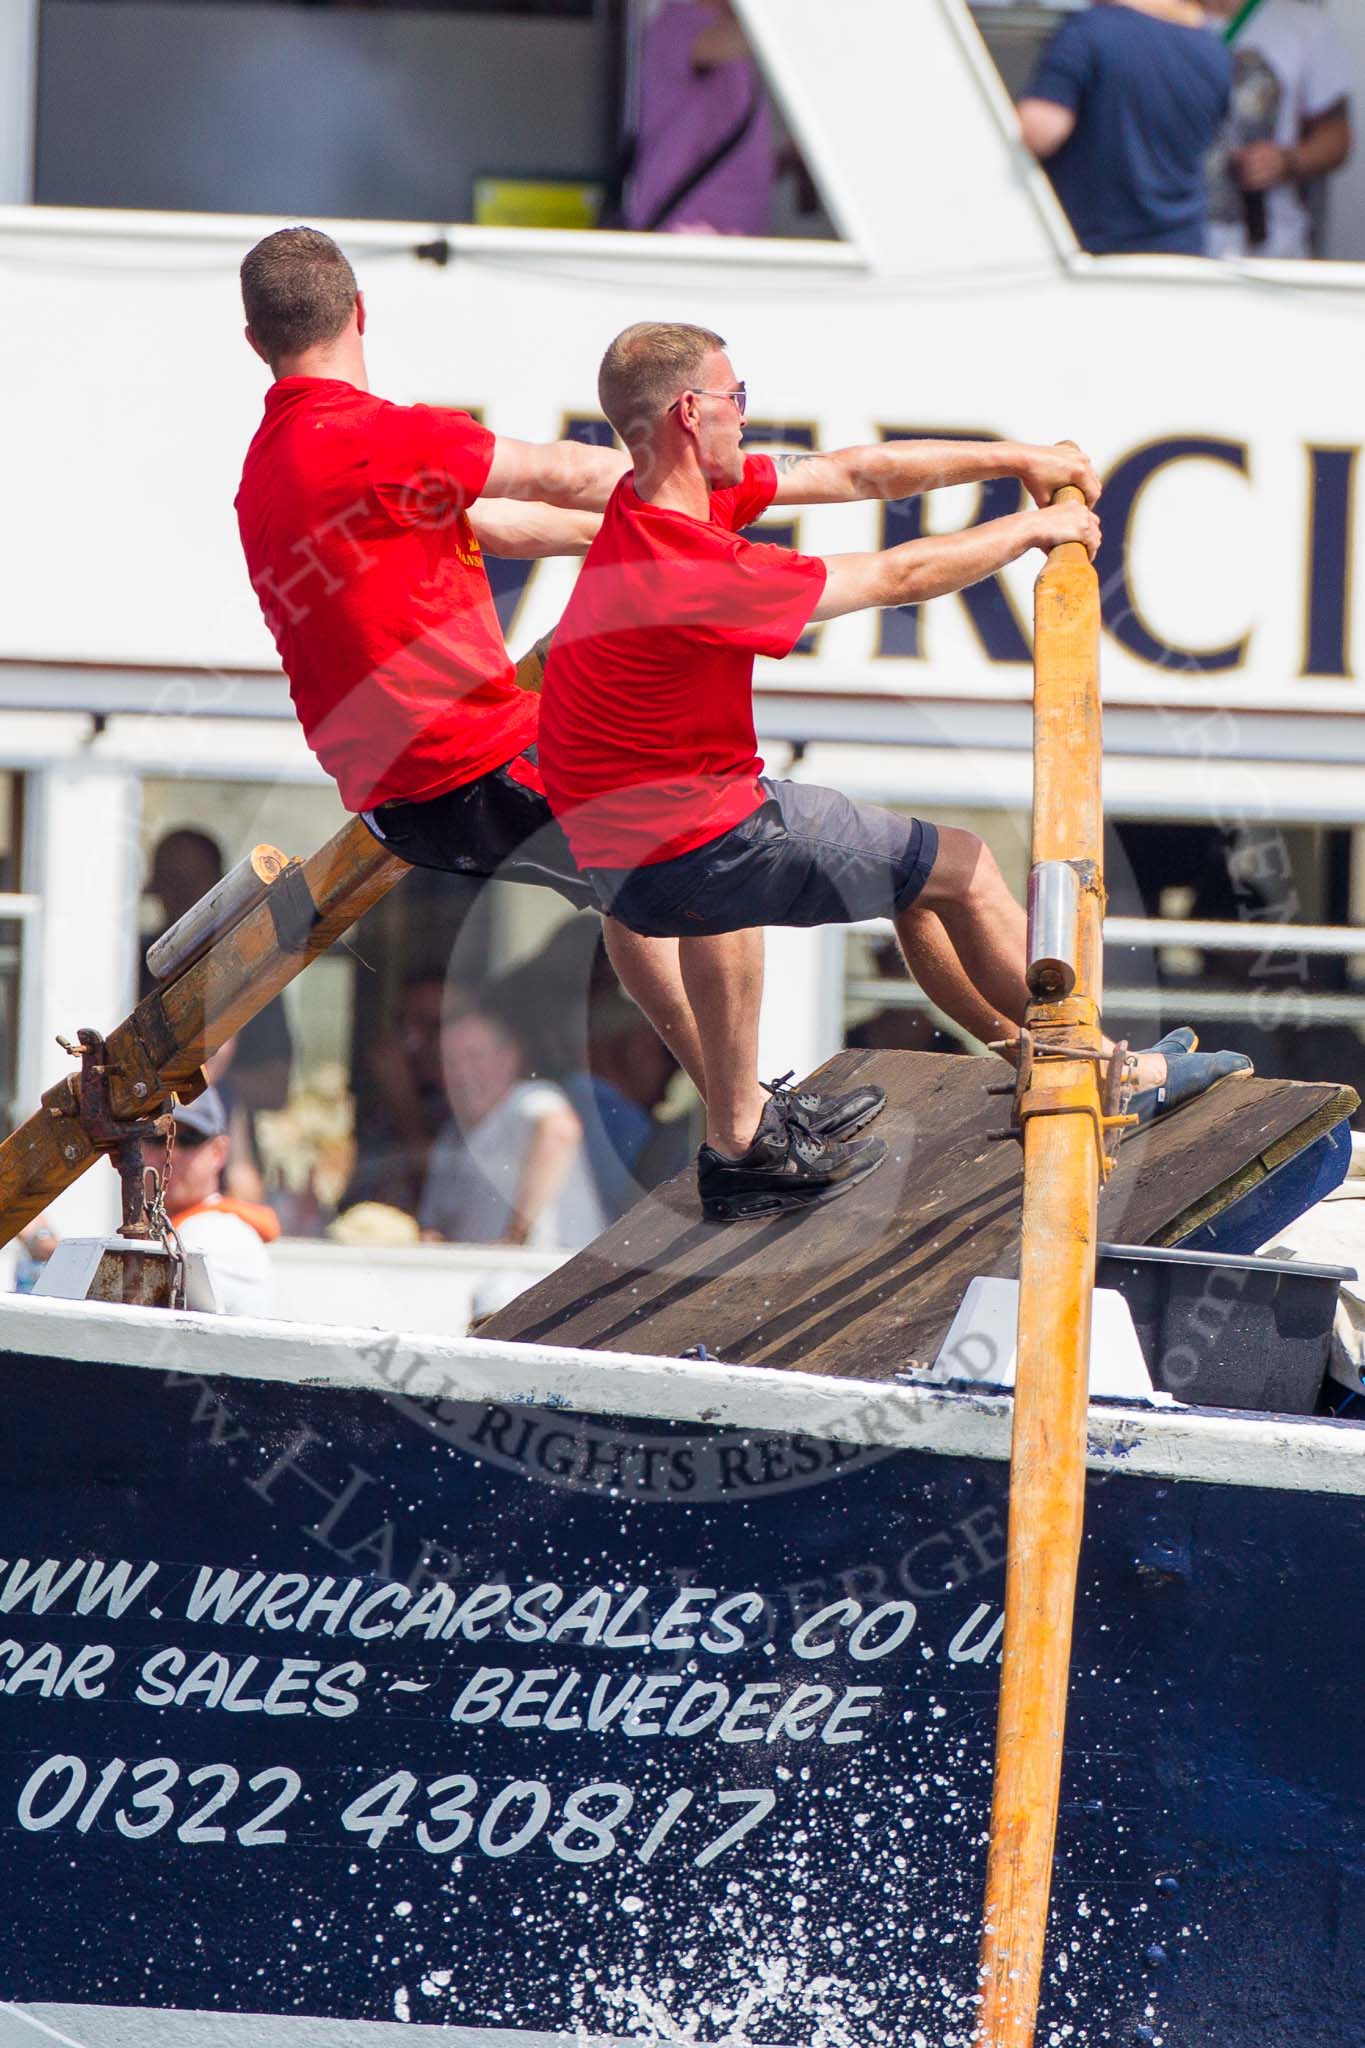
(407, 1099)
(1124, 108)
(251, 1070)
(1290, 126)
(617, 1097)
(34, 1247)
(704, 149)
(230, 1232)
(509, 1167)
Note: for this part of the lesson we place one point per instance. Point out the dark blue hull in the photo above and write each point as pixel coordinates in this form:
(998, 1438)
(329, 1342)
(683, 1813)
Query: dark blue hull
(1211, 1859)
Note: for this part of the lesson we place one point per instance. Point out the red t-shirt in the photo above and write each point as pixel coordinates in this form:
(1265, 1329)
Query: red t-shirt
(352, 516)
(647, 744)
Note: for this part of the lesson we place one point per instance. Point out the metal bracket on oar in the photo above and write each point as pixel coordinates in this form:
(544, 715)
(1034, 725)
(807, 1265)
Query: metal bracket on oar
(120, 1138)
(1019, 1053)
(293, 912)
(1115, 1117)
(1027, 1053)
(1109, 1120)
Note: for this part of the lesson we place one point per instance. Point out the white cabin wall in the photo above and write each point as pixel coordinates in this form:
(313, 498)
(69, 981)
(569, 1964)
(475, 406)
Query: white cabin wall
(801, 1023)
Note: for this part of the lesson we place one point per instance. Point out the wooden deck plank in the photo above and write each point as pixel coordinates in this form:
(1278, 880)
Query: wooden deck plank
(870, 1283)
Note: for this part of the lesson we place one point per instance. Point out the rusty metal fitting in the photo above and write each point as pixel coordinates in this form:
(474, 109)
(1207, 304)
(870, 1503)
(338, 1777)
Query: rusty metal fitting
(119, 1138)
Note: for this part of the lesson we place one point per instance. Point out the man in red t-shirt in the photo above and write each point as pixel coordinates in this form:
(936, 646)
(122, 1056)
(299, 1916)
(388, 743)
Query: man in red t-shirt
(650, 763)
(363, 525)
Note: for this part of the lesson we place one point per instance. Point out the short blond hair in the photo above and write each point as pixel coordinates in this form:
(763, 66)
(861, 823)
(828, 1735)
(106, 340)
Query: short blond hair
(647, 368)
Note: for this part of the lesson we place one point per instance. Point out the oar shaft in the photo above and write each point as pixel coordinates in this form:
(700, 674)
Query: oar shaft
(1060, 1112)
(175, 1029)
(1047, 1494)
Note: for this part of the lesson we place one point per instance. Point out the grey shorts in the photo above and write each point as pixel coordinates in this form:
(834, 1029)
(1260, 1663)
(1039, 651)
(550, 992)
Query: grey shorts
(807, 856)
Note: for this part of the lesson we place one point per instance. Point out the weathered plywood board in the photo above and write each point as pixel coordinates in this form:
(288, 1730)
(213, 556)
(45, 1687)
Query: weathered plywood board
(870, 1283)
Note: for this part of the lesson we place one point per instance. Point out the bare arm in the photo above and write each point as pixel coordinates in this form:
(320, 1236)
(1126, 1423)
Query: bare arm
(530, 532)
(1325, 144)
(1323, 147)
(1045, 126)
(719, 44)
(554, 1141)
(943, 563)
(569, 473)
(902, 469)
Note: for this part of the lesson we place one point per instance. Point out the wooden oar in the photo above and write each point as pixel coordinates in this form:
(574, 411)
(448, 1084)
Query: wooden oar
(1060, 1110)
(161, 1047)
(170, 1034)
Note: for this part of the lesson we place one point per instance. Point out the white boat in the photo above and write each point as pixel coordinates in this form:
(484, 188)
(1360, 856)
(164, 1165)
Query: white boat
(641, 1698)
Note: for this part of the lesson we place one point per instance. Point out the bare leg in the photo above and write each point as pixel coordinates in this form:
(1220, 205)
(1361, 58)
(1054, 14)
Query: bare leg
(935, 966)
(965, 940)
(648, 971)
(724, 982)
(985, 928)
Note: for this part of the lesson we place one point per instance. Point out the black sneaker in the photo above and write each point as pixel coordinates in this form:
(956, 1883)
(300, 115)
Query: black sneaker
(829, 1116)
(787, 1167)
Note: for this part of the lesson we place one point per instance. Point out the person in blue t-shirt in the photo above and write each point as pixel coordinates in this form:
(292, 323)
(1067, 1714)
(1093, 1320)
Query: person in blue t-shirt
(1124, 108)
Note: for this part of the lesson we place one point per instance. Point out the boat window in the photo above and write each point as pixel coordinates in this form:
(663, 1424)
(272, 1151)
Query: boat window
(1015, 32)
(369, 112)
(1251, 935)
(528, 113)
(340, 1091)
(287, 1079)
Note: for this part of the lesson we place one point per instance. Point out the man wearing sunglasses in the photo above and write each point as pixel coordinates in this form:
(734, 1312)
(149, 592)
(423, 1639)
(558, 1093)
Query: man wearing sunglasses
(649, 758)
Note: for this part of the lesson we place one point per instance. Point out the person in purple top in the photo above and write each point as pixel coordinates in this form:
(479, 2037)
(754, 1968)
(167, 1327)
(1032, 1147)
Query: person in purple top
(705, 160)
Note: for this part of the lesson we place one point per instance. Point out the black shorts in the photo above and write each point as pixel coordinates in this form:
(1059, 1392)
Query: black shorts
(807, 856)
(493, 828)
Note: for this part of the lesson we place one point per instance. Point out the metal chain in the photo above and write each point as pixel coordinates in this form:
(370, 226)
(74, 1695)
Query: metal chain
(162, 1226)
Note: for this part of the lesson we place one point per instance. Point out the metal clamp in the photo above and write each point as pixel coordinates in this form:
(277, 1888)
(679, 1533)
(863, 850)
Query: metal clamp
(120, 1137)
(1020, 1052)
(293, 912)
(1115, 1119)
(1109, 1120)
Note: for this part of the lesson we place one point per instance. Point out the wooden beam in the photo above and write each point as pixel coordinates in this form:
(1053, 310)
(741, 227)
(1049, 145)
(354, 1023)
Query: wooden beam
(170, 1034)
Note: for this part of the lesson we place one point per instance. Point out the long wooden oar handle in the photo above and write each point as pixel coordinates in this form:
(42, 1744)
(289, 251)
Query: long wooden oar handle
(1060, 1111)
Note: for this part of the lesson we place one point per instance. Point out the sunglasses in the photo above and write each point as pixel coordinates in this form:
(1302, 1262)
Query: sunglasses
(739, 398)
(187, 1140)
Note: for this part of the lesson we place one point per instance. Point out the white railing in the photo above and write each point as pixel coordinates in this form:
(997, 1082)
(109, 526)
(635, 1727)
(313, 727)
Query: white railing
(1276, 1000)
